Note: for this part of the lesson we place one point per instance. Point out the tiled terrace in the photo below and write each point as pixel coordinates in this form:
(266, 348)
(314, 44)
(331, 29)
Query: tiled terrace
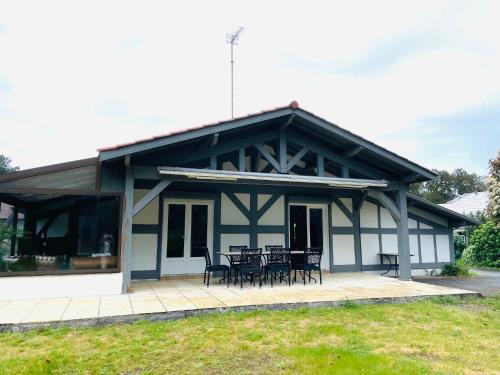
(189, 295)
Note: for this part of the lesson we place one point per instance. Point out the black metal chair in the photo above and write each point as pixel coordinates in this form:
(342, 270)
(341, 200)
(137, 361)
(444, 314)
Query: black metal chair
(209, 267)
(250, 266)
(278, 264)
(311, 261)
(234, 260)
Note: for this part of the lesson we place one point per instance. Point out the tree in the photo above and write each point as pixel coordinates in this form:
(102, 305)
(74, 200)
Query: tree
(449, 185)
(5, 164)
(493, 209)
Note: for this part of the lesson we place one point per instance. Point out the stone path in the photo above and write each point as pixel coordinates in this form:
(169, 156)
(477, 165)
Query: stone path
(181, 295)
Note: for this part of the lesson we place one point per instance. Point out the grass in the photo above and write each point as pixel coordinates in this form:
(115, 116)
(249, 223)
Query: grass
(438, 336)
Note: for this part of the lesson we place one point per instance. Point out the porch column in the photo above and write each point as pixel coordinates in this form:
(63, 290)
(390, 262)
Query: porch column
(403, 236)
(126, 234)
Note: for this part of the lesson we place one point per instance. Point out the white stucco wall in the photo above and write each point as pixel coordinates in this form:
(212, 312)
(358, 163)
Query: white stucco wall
(343, 249)
(275, 215)
(370, 249)
(369, 215)
(27, 287)
(386, 220)
(230, 214)
(144, 249)
(443, 248)
(427, 248)
(414, 248)
(339, 219)
(149, 214)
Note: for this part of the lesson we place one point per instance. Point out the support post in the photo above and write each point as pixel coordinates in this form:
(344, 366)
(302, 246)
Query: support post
(345, 172)
(283, 152)
(213, 162)
(320, 165)
(13, 238)
(357, 203)
(126, 230)
(241, 159)
(403, 235)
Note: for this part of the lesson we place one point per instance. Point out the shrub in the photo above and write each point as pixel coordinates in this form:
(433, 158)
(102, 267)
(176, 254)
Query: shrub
(458, 269)
(460, 245)
(484, 247)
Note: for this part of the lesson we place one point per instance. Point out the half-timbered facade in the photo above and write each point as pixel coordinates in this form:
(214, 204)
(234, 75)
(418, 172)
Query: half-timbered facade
(285, 176)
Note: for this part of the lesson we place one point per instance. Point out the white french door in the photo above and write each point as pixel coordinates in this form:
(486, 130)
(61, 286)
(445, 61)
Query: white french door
(309, 228)
(187, 229)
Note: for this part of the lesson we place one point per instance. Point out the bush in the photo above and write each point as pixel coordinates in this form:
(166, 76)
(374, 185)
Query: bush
(484, 247)
(458, 269)
(460, 245)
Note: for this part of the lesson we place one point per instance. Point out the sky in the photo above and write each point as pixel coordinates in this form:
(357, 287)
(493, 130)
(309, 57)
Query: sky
(420, 78)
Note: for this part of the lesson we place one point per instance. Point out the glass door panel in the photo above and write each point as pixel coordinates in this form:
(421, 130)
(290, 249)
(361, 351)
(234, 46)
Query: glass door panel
(176, 230)
(199, 229)
(298, 227)
(316, 227)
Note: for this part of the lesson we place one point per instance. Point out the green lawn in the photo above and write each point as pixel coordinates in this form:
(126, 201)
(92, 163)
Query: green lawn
(440, 336)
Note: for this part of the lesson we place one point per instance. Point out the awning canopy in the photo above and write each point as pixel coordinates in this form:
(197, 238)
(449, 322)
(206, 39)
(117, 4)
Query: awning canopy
(270, 178)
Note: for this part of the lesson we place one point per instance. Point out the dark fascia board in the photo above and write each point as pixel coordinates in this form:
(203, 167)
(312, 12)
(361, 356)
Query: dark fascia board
(48, 169)
(368, 145)
(249, 120)
(440, 210)
(195, 133)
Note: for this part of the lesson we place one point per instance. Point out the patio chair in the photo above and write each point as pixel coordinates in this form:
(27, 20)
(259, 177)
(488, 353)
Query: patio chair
(209, 267)
(234, 260)
(311, 261)
(278, 264)
(250, 266)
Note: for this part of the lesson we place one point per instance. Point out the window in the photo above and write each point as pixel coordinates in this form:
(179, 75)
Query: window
(62, 234)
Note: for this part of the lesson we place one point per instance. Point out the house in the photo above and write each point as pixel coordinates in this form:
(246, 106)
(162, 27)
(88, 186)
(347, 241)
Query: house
(145, 209)
(468, 203)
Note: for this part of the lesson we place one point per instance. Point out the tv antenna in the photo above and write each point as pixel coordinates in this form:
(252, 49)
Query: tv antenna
(233, 39)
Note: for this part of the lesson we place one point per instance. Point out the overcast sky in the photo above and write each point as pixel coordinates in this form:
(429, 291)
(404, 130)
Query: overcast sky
(420, 78)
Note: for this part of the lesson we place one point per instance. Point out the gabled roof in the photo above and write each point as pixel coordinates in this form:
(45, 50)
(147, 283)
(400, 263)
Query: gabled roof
(312, 123)
(468, 203)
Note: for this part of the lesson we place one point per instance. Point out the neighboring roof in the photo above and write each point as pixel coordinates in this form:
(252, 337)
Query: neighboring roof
(270, 178)
(48, 169)
(442, 211)
(468, 203)
(142, 145)
(6, 211)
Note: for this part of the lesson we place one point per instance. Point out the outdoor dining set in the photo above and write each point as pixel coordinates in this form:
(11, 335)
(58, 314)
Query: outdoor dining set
(275, 263)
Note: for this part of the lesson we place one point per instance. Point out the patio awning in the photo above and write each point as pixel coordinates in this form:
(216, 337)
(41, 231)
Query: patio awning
(270, 178)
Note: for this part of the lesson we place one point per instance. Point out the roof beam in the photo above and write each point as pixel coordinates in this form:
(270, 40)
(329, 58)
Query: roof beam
(410, 178)
(387, 203)
(220, 148)
(268, 156)
(289, 121)
(320, 149)
(152, 194)
(299, 155)
(353, 151)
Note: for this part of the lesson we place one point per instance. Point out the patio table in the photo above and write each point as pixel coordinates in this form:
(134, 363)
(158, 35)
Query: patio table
(391, 256)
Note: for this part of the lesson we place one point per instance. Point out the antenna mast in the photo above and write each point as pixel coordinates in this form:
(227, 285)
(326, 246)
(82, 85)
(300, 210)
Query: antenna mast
(232, 39)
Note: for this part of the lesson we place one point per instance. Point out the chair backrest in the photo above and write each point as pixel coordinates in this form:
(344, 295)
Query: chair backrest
(312, 255)
(237, 248)
(270, 247)
(206, 254)
(251, 257)
(279, 255)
